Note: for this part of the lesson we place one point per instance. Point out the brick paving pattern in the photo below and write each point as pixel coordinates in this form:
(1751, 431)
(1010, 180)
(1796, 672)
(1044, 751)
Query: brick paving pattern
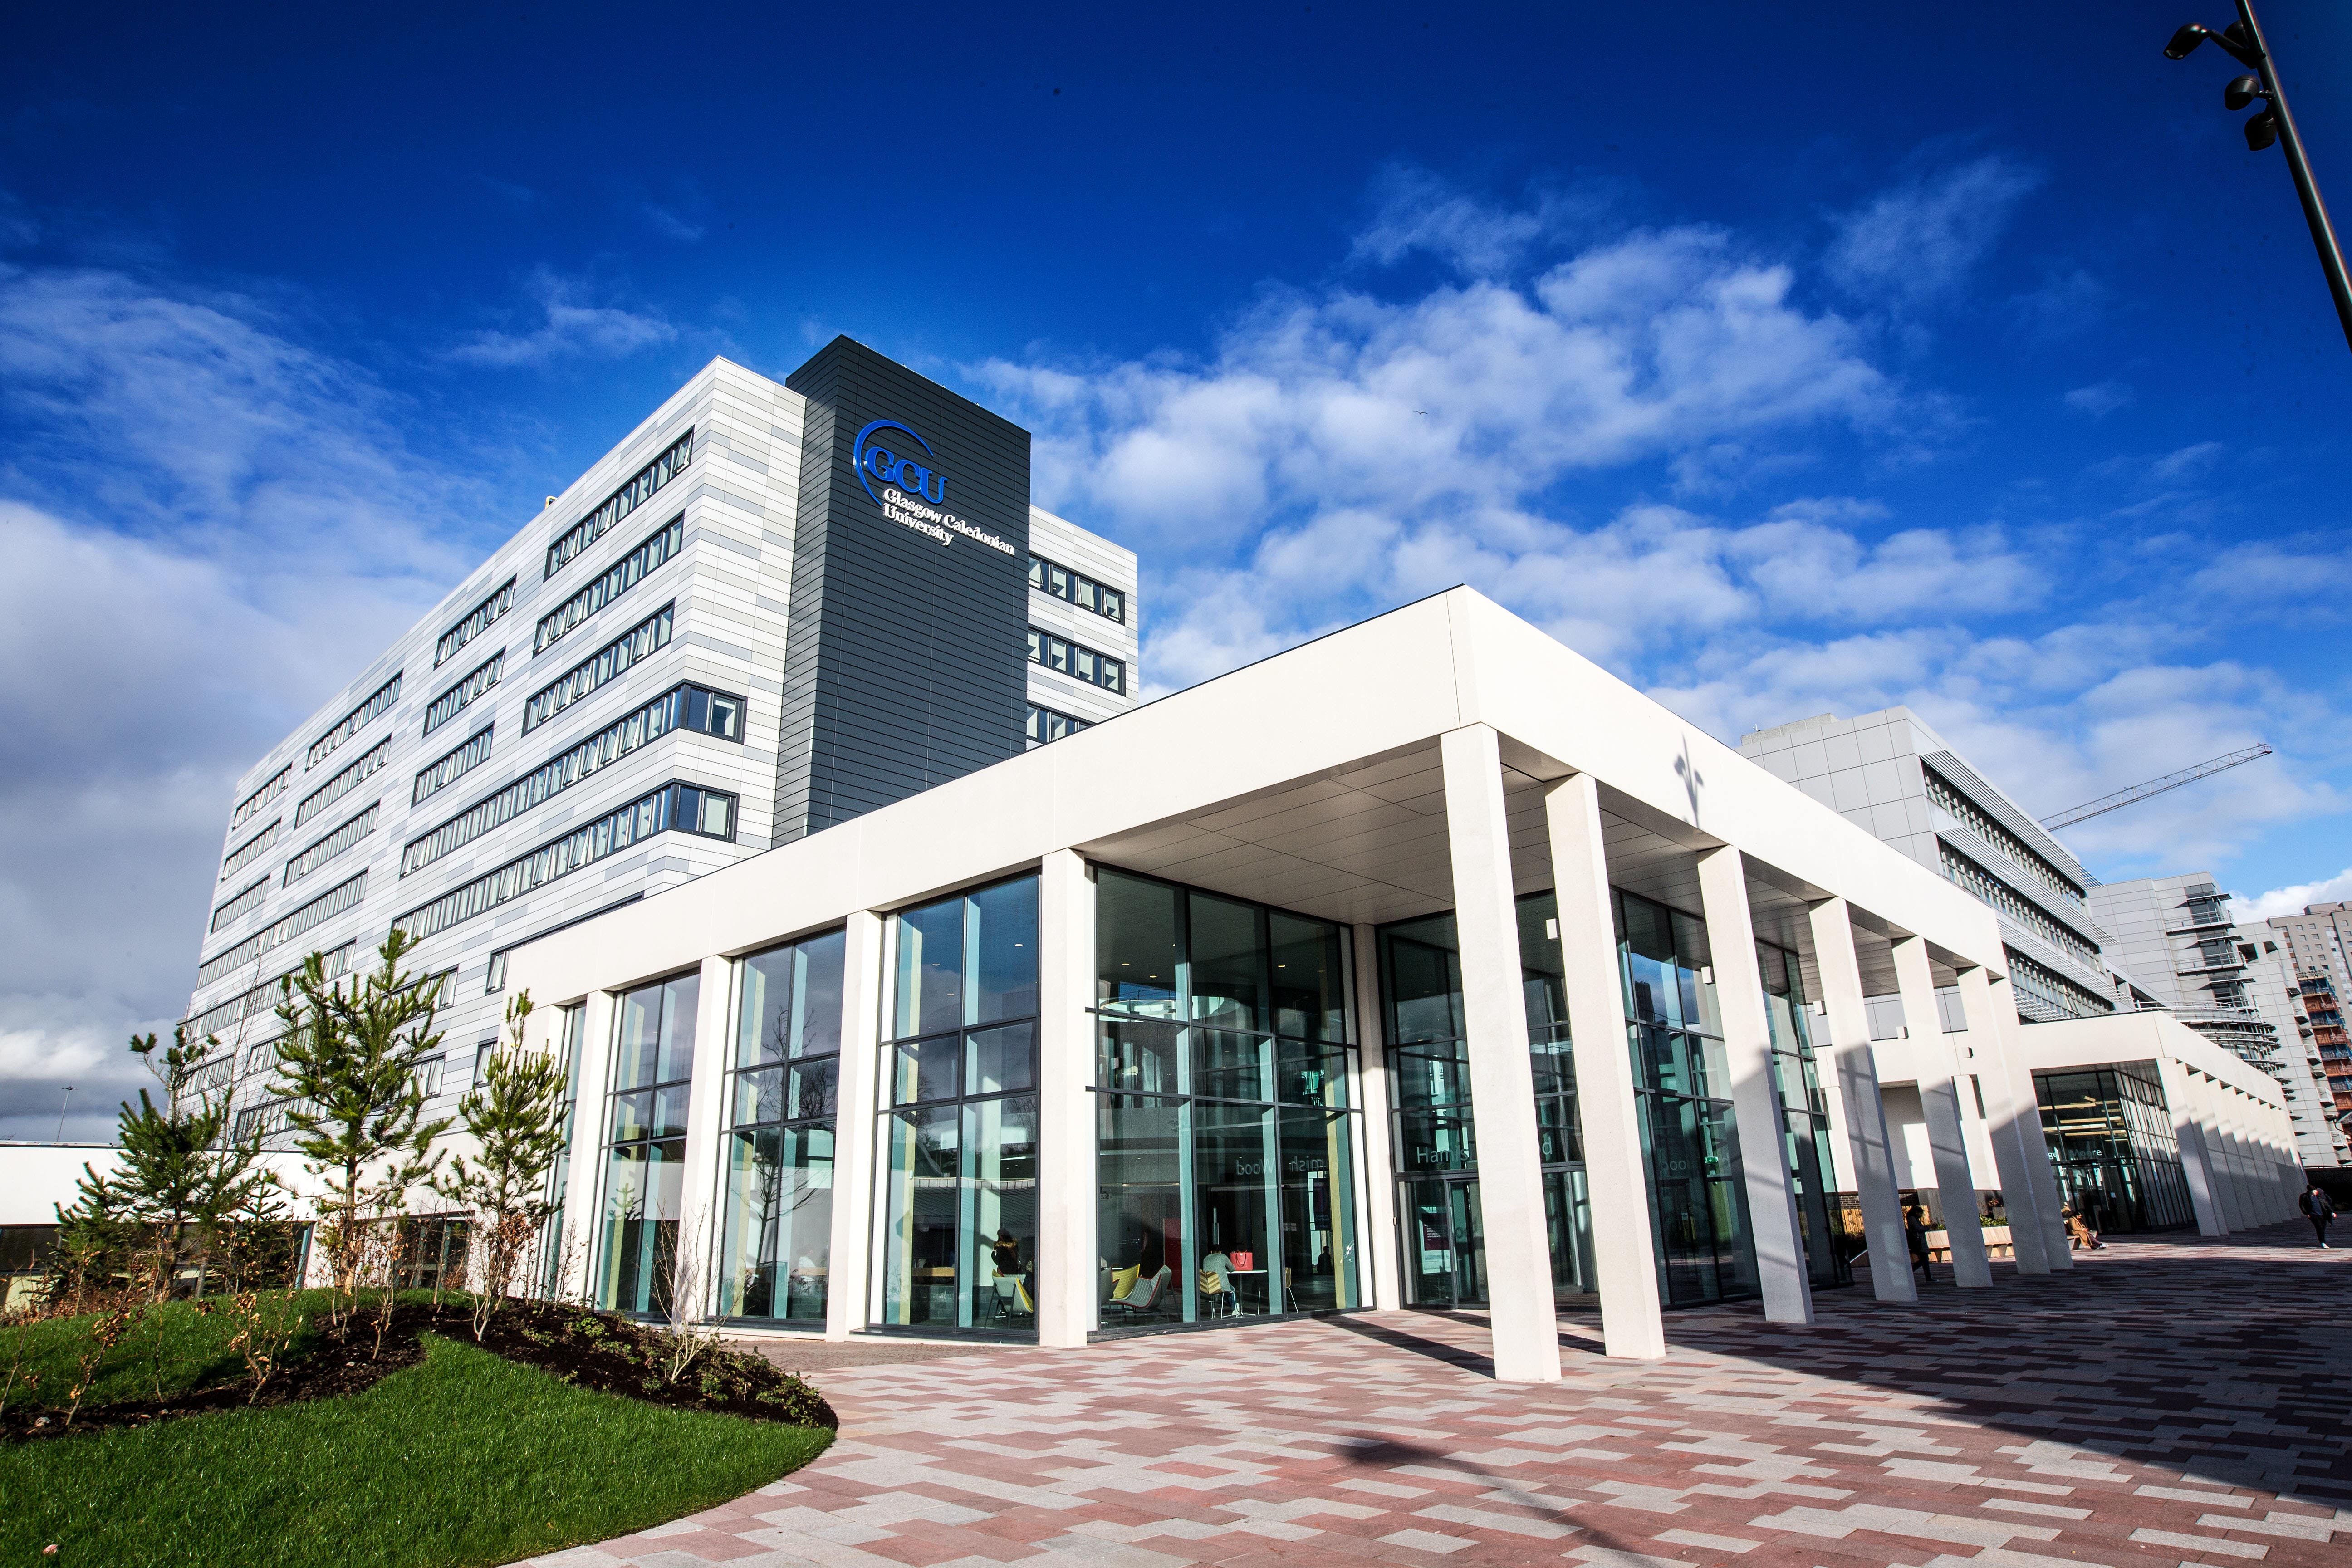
(2167, 1404)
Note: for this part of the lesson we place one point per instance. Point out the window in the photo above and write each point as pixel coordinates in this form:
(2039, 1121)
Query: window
(476, 621)
(1082, 591)
(1979, 821)
(245, 903)
(776, 1249)
(1047, 724)
(620, 504)
(674, 806)
(1076, 660)
(343, 783)
(251, 805)
(959, 1076)
(332, 845)
(681, 708)
(640, 641)
(1225, 1167)
(1805, 1114)
(2044, 996)
(252, 849)
(357, 719)
(454, 701)
(426, 1075)
(446, 771)
(494, 974)
(645, 1151)
(618, 579)
(570, 1038)
(262, 998)
(2009, 901)
(326, 906)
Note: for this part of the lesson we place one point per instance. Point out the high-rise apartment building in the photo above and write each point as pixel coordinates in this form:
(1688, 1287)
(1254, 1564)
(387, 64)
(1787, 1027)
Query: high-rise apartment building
(2317, 941)
(769, 610)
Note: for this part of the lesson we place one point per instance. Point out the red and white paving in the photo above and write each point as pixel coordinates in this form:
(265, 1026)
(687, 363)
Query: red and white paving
(2167, 1402)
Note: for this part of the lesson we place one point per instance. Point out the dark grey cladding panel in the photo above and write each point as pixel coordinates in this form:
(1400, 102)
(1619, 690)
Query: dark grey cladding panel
(905, 658)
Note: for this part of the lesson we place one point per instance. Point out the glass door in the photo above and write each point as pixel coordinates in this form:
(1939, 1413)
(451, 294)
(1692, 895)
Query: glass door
(1446, 1242)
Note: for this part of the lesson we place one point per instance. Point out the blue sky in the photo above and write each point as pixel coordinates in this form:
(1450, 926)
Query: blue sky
(1783, 359)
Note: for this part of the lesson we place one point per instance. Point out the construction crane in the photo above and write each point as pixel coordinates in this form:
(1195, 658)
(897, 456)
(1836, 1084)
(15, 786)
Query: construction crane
(2140, 792)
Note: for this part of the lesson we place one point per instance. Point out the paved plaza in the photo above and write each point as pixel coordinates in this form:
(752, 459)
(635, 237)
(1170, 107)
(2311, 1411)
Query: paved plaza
(2167, 1402)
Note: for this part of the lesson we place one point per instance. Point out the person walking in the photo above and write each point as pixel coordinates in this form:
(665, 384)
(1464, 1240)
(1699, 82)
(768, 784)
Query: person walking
(2318, 1209)
(1915, 1231)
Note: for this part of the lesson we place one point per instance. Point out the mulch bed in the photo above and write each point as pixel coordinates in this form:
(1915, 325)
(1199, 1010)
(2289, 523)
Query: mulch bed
(592, 1350)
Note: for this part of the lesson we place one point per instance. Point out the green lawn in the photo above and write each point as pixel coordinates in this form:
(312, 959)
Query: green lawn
(195, 1346)
(468, 1459)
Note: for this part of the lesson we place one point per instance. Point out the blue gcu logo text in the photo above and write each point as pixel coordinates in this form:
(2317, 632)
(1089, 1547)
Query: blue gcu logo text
(874, 462)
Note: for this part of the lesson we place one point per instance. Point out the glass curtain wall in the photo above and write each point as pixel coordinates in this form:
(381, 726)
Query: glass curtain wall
(1227, 1152)
(1690, 1138)
(644, 1154)
(568, 1034)
(1438, 1208)
(959, 1075)
(1804, 1106)
(776, 1242)
(2113, 1148)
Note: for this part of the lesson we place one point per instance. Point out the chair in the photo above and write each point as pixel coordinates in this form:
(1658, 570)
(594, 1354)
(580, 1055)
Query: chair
(1148, 1300)
(1013, 1299)
(1218, 1298)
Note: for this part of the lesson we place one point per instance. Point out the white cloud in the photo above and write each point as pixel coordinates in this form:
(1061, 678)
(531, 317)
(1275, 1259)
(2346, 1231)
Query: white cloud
(2100, 400)
(1922, 238)
(669, 225)
(570, 328)
(2293, 900)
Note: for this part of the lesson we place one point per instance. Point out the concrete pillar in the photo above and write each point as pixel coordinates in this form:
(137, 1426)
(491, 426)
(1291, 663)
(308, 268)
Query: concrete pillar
(1068, 1272)
(1847, 1029)
(1781, 1274)
(1624, 1260)
(1940, 1096)
(1378, 1240)
(856, 1165)
(693, 1273)
(2215, 1122)
(2018, 1127)
(584, 1197)
(1525, 1323)
(2196, 1167)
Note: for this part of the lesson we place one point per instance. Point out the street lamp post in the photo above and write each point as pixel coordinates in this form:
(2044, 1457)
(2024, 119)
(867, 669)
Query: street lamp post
(2242, 40)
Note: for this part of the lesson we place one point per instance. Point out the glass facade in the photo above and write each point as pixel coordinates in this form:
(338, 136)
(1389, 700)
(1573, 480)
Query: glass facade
(1804, 1106)
(959, 1128)
(1225, 1153)
(2112, 1147)
(776, 1239)
(644, 1151)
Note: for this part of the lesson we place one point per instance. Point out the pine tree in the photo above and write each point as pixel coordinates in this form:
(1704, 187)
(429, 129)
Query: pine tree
(516, 1114)
(347, 1067)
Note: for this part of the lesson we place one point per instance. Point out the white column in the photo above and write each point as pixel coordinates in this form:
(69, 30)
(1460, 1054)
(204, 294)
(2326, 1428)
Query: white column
(1376, 1238)
(1524, 1322)
(1781, 1275)
(2028, 1187)
(1624, 1261)
(583, 1192)
(1068, 1272)
(1848, 1028)
(855, 1166)
(1939, 1095)
(693, 1276)
(2195, 1167)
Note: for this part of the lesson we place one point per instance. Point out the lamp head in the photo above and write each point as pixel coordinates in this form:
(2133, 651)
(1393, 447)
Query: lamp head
(2242, 92)
(2262, 130)
(2184, 42)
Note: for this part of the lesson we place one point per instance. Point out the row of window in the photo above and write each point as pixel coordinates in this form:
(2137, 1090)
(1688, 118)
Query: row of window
(285, 928)
(676, 805)
(332, 845)
(243, 904)
(1076, 659)
(461, 696)
(1051, 724)
(2005, 898)
(252, 804)
(252, 849)
(620, 504)
(1047, 577)
(641, 641)
(343, 783)
(475, 621)
(2058, 996)
(446, 771)
(1979, 821)
(681, 708)
(617, 579)
(262, 998)
(358, 719)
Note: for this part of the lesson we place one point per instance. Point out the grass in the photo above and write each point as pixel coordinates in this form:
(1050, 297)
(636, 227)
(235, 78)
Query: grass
(465, 1459)
(194, 1351)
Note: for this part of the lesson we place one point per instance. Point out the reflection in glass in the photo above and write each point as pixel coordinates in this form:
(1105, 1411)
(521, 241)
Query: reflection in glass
(775, 1245)
(645, 1148)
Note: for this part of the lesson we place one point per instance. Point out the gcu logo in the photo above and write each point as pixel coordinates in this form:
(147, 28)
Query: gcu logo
(877, 462)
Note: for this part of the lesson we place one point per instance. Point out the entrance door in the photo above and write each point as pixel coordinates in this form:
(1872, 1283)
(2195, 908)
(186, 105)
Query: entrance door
(1446, 1242)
